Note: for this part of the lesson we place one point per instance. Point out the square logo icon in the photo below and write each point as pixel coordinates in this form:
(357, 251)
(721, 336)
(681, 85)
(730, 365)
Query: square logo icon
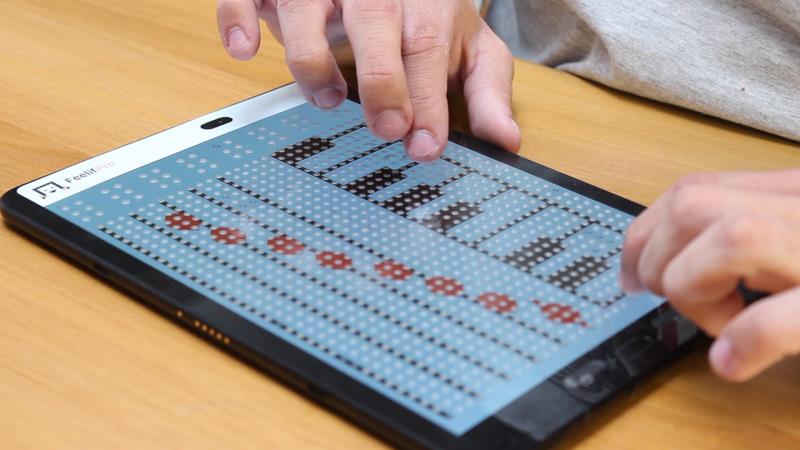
(48, 188)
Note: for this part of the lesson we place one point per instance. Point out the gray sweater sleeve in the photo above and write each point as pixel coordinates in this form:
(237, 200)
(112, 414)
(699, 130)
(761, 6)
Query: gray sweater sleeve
(734, 59)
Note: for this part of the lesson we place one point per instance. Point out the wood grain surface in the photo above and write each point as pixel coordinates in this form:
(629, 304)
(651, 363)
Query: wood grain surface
(82, 365)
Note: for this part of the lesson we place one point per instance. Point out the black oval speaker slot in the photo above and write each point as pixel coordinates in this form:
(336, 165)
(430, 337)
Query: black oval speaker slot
(216, 123)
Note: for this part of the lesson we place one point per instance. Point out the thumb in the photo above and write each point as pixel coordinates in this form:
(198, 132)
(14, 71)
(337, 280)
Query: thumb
(489, 71)
(760, 336)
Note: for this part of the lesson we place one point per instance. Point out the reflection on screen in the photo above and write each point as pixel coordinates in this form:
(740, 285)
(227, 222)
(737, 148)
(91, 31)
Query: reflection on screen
(451, 288)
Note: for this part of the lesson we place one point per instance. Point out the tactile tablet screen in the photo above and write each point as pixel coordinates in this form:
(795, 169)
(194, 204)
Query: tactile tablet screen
(452, 287)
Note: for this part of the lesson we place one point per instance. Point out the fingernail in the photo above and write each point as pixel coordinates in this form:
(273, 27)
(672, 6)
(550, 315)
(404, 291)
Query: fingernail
(422, 146)
(237, 40)
(390, 125)
(721, 356)
(630, 283)
(328, 98)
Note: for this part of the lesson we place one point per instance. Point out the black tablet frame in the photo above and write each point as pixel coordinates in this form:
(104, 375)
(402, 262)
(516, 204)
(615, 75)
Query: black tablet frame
(521, 424)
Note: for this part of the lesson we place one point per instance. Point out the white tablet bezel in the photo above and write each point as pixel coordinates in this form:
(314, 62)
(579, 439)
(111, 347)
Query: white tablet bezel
(91, 172)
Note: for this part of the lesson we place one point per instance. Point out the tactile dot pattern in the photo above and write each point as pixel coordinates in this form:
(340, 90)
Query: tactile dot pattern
(495, 301)
(451, 287)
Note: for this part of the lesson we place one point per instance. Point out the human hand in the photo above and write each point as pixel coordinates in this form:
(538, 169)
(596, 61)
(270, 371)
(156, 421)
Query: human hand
(706, 235)
(407, 53)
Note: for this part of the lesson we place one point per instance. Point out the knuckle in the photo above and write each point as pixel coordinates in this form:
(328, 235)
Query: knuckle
(378, 75)
(424, 41)
(366, 11)
(290, 5)
(688, 201)
(305, 60)
(487, 46)
(425, 99)
(499, 47)
(694, 179)
(744, 231)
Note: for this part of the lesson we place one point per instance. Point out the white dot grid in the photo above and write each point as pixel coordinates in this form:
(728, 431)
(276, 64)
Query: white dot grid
(309, 265)
(361, 140)
(599, 212)
(216, 274)
(559, 261)
(550, 222)
(392, 157)
(123, 195)
(363, 225)
(497, 213)
(472, 188)
(459, 348)
(344, 281)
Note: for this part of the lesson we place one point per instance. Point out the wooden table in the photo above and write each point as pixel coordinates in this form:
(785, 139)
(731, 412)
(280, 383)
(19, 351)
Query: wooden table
(84, 366)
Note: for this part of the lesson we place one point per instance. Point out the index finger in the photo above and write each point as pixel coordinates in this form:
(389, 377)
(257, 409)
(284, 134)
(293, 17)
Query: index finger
(374, 28)
(303, 26)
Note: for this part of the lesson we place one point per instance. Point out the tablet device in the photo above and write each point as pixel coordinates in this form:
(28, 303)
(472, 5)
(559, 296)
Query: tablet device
(467, 303)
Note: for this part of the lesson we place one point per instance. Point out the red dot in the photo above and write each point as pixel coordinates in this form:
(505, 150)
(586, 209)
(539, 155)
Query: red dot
(182, 221)
(444, 286)
(334, 260)
(497, 302)
(227, 235)
(393, 270)
(285, 245)
(561, 313)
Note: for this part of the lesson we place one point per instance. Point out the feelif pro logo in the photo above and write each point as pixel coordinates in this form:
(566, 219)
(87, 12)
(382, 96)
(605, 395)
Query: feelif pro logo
(52, 187)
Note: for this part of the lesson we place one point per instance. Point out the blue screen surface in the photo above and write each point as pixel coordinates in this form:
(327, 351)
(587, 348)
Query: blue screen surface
(451, 288)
